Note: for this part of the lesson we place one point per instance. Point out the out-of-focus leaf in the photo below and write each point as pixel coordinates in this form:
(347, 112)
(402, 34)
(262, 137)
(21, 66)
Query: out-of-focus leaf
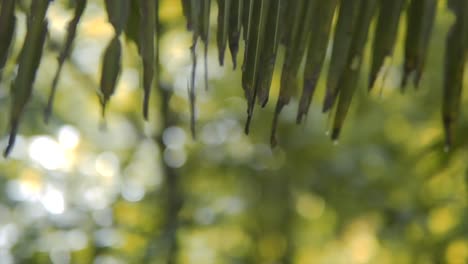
(117, 12)
(7, 29)
(191, 86)
(132, 29)
(288, 17)
(195, 14)
(28, 63)
(235, 27)
(187, 10)
(256, 33)
(345, 26)
(71, 33)
(247, 7)
(269, 52)
(385, 35)
(224, 7)
(420, 20)
(349, 79)
(455, 60)
(321, 27)
(205, 33)
(295, 49)
(111, 67)
(147, 52)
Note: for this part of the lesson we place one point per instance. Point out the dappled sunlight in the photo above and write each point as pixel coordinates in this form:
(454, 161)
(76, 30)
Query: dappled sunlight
(53, 201)
(115, 189)
(48, 153)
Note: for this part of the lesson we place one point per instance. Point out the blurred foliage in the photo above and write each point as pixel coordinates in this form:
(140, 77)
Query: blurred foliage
(145, 192)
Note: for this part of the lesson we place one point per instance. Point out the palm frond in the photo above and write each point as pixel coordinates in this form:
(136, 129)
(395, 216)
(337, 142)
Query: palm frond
(304, 28)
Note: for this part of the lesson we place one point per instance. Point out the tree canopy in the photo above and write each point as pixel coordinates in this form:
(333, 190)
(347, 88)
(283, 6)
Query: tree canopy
(305, 29)
(130, 190)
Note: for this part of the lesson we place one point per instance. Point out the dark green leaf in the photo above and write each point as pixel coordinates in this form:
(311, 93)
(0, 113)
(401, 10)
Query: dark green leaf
(455, 60)
(349, 79)
(111, 67)
(385, 35)
(71, 32)
(321, 27)
(420, 20)
(29, 61)
(345, 26)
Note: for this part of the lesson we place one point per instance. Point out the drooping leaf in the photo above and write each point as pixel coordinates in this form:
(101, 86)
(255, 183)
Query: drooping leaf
(288, 16)
(71, 33)
(147, 52)
(28, 63)
(195, 15)
(205, 33)
(349, 79)
(7, 29)
(187, 10)
(191, 86)
(345, 26)
(385, 35)
(205, 19)
(321, 27)
(247, 7)
(295, 49)
(420, 20)
(256, 33)
(117, 12)
(197, 22)
(224, 7)
(196, 7)
(132, 29)
(455, 60)
(111, 67)
(235, 27)
(269, 52)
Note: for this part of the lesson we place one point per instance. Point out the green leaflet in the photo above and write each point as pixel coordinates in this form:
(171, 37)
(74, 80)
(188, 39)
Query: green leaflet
(295, 48)
(321, 27)
(345, 26)
(28, 63)
(71, 33)
(191, 86)
(196, 8)
(147, 52)
(111, 67)
(247, 7)
(195, 15)
(187, 10)
(205, 35)
(246, 24)
(205, 19)
(421, 17)
(385, 35)
(269, 52)
(224, 7)
(117, 12)
(349, 79)
(132, 29)
(258, 18)
(7, 29)
(455, 60)
(200, 14)
(289, 11)
(235, 26)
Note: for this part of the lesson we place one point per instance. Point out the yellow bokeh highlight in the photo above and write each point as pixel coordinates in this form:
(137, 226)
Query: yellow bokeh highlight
(442, 220)
(457, 252)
